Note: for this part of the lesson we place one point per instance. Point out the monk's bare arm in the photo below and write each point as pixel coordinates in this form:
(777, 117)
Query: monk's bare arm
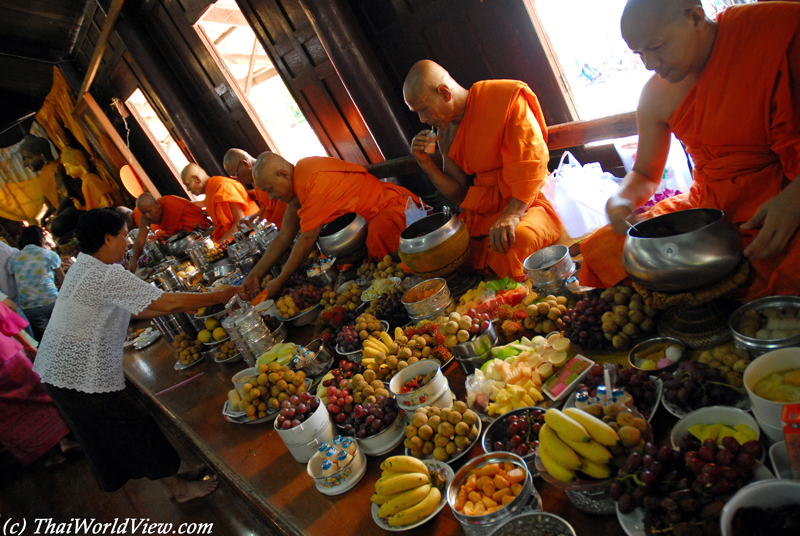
(289, 229)
(302, 247)
(451, 181)
(237, 214)
(138, 245)
(641, 183)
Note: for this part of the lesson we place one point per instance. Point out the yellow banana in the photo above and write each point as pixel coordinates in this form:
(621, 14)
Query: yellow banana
(404, 500)
(596, 470)
(385, 478)
(404, 464)
(418, 512)
(367, 361)
(556, 471)
(386, 339)
(377, 342)
(565, 426)
(378, 345)
(557, 449)
(597, 429)
(398, 332)
(399, 483)
(379, 499)
(370, 351)
(592, 451)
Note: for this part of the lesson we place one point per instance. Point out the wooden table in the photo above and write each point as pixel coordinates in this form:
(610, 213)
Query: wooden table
(254, 462)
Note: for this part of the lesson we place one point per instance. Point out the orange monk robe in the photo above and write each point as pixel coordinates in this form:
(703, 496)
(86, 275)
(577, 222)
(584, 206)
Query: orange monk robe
(177, 214)
(274, 209)
(96, 193)
(741, 126)
(47, 182)
(221, 193)
(328, 188)
(502, 140)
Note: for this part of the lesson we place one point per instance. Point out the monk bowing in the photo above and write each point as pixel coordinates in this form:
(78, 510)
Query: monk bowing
(317, 191)
(728, 90)
(495, 132)
(239, 165)
(226, 200)
(166, 215)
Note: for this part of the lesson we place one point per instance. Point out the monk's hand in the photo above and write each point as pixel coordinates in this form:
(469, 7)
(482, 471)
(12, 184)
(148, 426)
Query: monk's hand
(274, 288)
(251, 286)
(621, 213)
(502, 235)
(779, 220)
(418, 145)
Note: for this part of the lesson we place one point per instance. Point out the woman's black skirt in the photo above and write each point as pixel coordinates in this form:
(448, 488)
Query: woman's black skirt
(120, 438)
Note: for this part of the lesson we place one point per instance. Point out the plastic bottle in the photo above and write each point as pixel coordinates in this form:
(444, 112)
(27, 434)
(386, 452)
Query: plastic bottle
(622, 397)
(581, 399)
(349, 446)
(322, 448)
(431, 147)
(331, 453)
(328, 468)
(343, 458)
(337, 442)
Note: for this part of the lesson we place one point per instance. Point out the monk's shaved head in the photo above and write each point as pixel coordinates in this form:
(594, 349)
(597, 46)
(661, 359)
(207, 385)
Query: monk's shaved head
(431, 92)
(149, 206)
(273, 174)
(232, 159)
(673, 37)
(195, 178)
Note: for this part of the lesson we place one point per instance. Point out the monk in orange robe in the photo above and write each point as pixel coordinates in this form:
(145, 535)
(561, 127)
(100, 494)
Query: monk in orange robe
(226, 200)
(495, 131)
(239, 165)
(728, 90)
(317, 191)
(166, 215)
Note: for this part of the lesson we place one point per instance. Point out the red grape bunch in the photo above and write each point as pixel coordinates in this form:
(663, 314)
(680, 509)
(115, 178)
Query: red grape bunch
(696, 385)
(296, 409)
(521, 436)
(390, 307)
(583, 325)
(348, 340)
(684, 490)
(305, 296)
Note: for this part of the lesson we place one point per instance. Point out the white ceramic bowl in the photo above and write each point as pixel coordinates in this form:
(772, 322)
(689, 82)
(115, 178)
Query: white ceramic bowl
(267, 307)
(422, 396)
(726, 415)
(773, 433)
(241, 377)
(766, 411)
(342, 480)
(387, 439)
(779, 457)
(761, 494)
(303, 440)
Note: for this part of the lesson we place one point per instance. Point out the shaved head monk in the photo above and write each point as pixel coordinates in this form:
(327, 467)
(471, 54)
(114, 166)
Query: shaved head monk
(317, 191)
(226, 200)
(495, 132)
(166, 215)
(729, 91)
(239, 165)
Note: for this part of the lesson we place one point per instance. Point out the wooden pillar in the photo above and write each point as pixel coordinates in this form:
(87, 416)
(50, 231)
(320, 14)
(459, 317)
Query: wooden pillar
(174, 99)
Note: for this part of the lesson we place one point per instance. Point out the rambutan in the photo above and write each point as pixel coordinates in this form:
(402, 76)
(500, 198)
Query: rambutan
(439, 338)
(505, 312)
(519, 314)
(510, 328)
(410, 331)
(326, 315)
(338, 319)
(441, 353)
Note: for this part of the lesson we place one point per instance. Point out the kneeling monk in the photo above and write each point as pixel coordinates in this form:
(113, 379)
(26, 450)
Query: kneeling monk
(744, 137)
(317, 191)
(166, 215)
(496, 132)
(226, 200)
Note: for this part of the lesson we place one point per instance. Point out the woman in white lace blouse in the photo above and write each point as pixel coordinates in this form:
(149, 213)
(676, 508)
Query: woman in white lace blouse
(80, 360)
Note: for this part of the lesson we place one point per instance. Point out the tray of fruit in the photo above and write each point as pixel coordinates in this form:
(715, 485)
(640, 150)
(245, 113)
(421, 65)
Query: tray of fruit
(227, 352)
(298, 301)
(389, 307)
(381, 270)
(212, 311)
(261, 396)
(517, 432)
(414, 497)
(442, 434)
(580, 452)
(665, 490)
(188, 350)
(380, 287)
(695, 385)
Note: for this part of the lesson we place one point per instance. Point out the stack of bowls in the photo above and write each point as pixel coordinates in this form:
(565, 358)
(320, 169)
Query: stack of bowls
(430, 307)
(768, 413)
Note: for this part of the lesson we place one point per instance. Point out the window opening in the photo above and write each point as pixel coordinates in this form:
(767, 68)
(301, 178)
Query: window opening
(257, 83)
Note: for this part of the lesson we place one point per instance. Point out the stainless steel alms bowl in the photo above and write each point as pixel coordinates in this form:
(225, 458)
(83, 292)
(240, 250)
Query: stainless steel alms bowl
(682, 251)
(343, 236)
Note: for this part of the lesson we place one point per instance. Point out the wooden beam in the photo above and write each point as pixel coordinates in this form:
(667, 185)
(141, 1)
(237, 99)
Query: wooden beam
(563, 136)
(97, 55)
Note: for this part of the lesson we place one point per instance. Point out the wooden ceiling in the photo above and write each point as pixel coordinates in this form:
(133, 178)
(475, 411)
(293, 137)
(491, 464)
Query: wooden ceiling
(34, 36)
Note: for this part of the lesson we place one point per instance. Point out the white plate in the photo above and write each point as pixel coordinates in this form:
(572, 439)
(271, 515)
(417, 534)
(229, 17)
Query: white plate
(679, 412)
(240, 417)
(458, 455)
(633, 523)
(146, 340)
(432, 465)
(214, 343)
(181, 366)
(570, 403)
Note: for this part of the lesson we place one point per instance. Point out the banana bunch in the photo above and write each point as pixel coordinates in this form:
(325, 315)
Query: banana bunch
(405, 492)
(574, 440)
(385, 356)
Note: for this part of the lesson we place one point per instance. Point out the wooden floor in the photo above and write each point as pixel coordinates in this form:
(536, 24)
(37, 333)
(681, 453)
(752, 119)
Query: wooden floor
(69, 491)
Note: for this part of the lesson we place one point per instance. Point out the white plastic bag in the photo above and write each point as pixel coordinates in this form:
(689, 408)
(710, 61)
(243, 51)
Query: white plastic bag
(414, 212)
(579, 194)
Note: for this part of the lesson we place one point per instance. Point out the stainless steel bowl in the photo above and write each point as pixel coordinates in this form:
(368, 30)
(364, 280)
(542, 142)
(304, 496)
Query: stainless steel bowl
(222, 267)
(682, 251)
(343, 236)
(472, 354)
(247, 263)
(179, 244)
(320, 360)
(755, 346)
(429, 305)
(549, 268)
(432, 243)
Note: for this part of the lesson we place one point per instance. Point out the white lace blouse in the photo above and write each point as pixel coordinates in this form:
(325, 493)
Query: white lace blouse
(82, 347)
